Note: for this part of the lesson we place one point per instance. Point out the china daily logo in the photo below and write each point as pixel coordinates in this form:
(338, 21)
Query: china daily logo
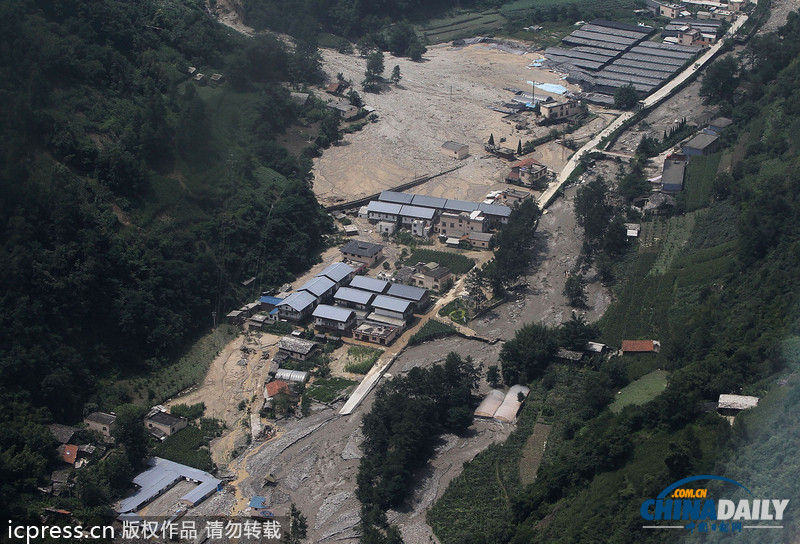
(697, 512)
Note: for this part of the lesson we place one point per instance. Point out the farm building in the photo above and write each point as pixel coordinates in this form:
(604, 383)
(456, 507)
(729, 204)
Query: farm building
(296, 348)
(297, 306)
(719, 124)
(164, 474)
(334, 318)
(363, 252)
(340, 273)
(396, 308)
(353, 298)
(455, 150)
(365, 283)
(730, 405)
(605, 55)
(162, 424)
(274, 387)
(376, 333)
(560, 110)
(674, 173)
(702, 144)
(102, 422)
(480, 240)
(383, 211)
(508, 410)
(319, 286)
(417, 295)
(640, 346)
(490, 404)
(287, 375)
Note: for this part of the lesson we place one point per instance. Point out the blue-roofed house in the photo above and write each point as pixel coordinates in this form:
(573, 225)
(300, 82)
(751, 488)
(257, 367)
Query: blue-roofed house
(319, 286)
(397, 308)
(418, 296)
(297, 306)
(334, 318)
(369, 284)
(269, 303)
(353, 298)
(340, 273)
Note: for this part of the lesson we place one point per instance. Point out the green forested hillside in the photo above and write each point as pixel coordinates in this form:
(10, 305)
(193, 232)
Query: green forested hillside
(720, 288)
(135, 200)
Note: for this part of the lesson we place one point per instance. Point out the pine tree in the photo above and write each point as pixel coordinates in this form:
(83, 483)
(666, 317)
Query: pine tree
(491, 139)
(519, 148)
(396, 77)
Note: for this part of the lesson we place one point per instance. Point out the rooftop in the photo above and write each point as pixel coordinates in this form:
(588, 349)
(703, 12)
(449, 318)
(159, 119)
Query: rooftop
(393, 304)
(299, 301)
(428, 201)
(356, 296)
(366, 283)
(480, 236)
(407, 292)
(101, 417)
(737, 402)
(291, 375)
(317, 286)
(453, 146)
(376, 206)
(270, 300)
(376, 329)
(417, 212)
(701, 141)
(721, 122)
(361, 248)
(397, 198)
(337, 271)
(163, 418)
(62, 433)
(638, 346)
(276, 386)
(163, 474)
(296, 345)
(334, 313)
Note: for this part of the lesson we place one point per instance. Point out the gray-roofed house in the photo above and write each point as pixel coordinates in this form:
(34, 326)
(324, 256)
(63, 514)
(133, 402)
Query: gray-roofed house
(334, 317)
(319, 286)
(431, 275)
(397, 308)
(363, 252)
(163, 424)
(297, 306)
(455, 150)
(102, 422)
(480, 240)
(719, 124)
(409, 213)
(674, 172)
(730, 405)
(372, 285)
(340, 273)
(702, 144)
(429, 201)
(164, 474)
(397, 198)
(353, 298)
(383, 211)
(62, 433)
(296, 348)
(416, 295)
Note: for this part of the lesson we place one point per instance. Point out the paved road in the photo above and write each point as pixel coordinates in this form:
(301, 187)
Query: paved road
(657, 97)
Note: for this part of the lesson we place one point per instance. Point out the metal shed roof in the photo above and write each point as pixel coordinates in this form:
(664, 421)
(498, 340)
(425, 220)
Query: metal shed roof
(376, 206)
(428, 201)
(299, 301)
(369, 284)
(318, 285)
(334, 313)
(495, 209)
(337, 271)
(291, 375)
(701, 141)
(417, 212)
(356, 296)
(361, 248)
(385, 302)
(408, 292)
(460, 205)
(397, 198)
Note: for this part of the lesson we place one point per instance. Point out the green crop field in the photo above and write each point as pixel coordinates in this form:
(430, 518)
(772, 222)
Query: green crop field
(700, 176)
(640, 391)
(462, 25)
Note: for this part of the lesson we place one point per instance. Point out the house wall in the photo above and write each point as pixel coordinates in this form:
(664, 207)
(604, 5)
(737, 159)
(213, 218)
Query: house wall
(100, 428)
(335, 325)
(369, 261)
(390, 313)
(166, 429)
(458, 225)
(480, 244)
(379, 216)
(380, 340)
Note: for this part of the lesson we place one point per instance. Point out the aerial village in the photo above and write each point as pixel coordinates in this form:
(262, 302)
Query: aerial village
(369, 294)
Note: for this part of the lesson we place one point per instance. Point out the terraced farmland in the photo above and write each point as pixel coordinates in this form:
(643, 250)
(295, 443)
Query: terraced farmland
(464, 25)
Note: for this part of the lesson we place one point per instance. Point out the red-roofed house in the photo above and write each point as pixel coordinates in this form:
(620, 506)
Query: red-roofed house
(526, 171)
(640, 346)
(69, 454)
(275, 387)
